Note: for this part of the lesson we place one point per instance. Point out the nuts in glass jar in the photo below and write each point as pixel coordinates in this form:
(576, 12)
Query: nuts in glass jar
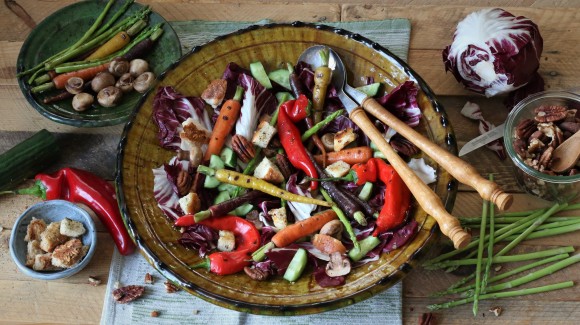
(536, 139)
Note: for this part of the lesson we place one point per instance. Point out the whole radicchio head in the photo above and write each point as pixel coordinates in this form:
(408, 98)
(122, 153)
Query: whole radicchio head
(494, 52)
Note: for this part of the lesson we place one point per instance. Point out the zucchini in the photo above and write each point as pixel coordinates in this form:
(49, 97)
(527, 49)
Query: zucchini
(243, 209)
(215, 162)
(296, 266)
(221, 197)
(365, 192)
(370, 90)
(366, 245)
(27, 159)
(259, 73)
(283, 96)
(228, 156)
(281, 77)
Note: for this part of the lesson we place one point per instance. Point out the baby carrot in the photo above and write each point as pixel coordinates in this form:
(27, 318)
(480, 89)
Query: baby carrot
(113, 45)
(245, 181)
(350, 156)
(225, 122)
(303, 228)
(59, 82)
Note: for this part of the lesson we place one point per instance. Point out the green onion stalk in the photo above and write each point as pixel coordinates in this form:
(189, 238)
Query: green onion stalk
(480, 258)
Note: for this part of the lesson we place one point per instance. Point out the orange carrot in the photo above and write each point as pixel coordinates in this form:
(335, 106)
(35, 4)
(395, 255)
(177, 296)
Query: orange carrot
(303, 228)
(350, 156)
(225, 122)
(328, 244)
(85, 74)
(117, 42)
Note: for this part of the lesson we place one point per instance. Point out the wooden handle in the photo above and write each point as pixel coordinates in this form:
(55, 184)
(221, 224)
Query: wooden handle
(461, 170)
(428, 200)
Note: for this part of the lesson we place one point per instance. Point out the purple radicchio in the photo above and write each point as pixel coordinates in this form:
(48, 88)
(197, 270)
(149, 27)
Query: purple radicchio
(170, 109)
(257, 100)
(494, 52)
(402, 102)
(301, 211)
(200, 237)
(165, 188)
(535, 85)
(472, 111)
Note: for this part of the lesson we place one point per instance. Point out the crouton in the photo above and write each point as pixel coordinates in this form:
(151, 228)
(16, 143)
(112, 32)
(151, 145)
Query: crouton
(337, 169)
(42, 262)
(269, 172)
(68, 254)
(71, 228)
(193, 132)
(34, 229)
(264, 133)
(343, 138)
(226, 241)
(190, 203)
(51, 237)
(279, 217)
(31, 252)
(215, 92)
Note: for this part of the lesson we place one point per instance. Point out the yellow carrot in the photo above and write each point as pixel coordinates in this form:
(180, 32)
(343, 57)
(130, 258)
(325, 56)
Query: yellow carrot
(113, 45)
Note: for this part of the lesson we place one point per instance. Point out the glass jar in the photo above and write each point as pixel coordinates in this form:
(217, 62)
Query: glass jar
(545, 186)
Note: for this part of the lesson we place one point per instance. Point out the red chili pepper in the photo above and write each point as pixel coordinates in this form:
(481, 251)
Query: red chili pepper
(247, 242)
(79, 186)
(297, 109)
(364, 172)
(397, 198)
(292, 144)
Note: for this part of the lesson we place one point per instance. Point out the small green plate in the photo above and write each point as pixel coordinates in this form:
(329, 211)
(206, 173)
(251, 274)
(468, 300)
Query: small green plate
(62, 29)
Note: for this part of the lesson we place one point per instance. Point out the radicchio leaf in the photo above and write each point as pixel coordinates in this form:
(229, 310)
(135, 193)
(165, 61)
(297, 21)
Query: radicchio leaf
(301, 211)
(472, 111)
(325, 281)
(165, 189)
(425, 172)
(257, 100)
(170, 109)
(402, 102)
(400, 237)
(494, 52)
(535, 85)
(200, 237)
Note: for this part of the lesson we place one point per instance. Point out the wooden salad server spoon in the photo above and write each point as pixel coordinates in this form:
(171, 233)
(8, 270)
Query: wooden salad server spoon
(566, 155)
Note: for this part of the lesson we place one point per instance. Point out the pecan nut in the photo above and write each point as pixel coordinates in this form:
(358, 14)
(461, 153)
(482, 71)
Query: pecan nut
(545, 159)
(170, 287)
(571, 127)
(520, 147)
(128, 293)
(552, 113)
(243, 148)
(184, 181)
(148, 278)
(525, 128)
(256, 273)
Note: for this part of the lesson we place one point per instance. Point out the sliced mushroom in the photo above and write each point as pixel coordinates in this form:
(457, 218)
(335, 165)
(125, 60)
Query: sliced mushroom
(119, 67)
(82, 101)
(110, 96)
(102, 81)
(75, 85)
(328, 141)
(125, 83)
(138, 67)
(338, 265)
(332, 228)
(144, 82)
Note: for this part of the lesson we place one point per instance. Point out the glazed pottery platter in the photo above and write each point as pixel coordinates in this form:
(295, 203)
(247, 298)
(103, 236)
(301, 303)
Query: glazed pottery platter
(273, 45)
(62, 29)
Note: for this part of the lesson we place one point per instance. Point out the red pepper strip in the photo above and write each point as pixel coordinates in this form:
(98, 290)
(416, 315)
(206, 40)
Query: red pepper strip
(247, 242)
(290, 139)
(79, 186)
(364, 172)
(397, 199)
(185, 221)
(298, 109)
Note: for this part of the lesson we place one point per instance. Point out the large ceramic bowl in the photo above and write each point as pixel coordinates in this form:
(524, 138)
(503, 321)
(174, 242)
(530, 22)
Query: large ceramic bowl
(272, 44)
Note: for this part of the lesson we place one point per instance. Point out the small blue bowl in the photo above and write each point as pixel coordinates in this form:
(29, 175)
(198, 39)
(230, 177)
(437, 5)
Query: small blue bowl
(51, 211)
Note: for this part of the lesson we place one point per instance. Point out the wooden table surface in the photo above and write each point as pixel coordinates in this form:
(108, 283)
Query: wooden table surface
(24, 300)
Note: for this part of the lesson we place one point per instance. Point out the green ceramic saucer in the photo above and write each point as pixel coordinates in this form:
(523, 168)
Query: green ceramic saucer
(62, 29)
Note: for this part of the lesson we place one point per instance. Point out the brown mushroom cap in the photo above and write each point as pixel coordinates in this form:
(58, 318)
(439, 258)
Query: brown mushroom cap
(338, 265)
(82, 101)
(125, 83)
(75, 85)
(144, 82)
(102, 80)
(110, 96)
(118, 67)
(138, 67)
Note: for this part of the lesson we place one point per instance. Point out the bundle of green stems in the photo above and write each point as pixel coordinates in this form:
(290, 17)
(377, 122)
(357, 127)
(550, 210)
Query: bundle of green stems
(511, 228)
